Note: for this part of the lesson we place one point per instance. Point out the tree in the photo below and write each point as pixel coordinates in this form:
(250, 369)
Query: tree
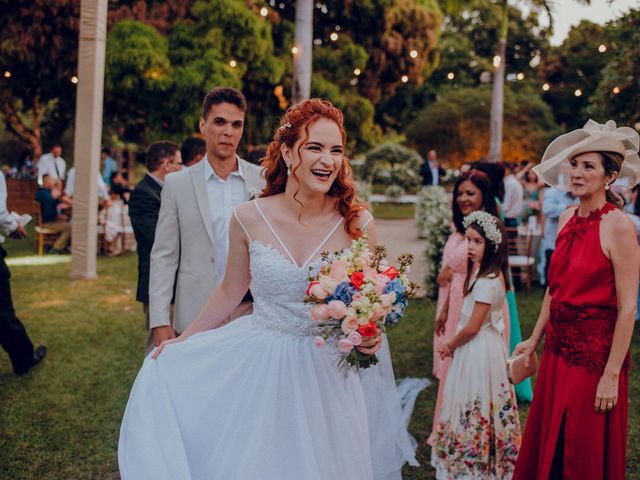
(457, 125)
(38, 50)
(302, 53)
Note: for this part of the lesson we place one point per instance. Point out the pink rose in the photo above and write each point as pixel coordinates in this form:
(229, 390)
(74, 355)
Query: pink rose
(357, 297)
(329, 284)
(320, 313)
(355, 338)
(368, 271)
(317, 291)
(339, 270)
(387, 299)
(380, 282)
(319, 342)
(337, 309)
(345, 345)
(349, 324)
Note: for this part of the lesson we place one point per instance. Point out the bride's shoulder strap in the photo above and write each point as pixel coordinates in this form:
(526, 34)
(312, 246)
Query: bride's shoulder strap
(364, 218)
(243, 214)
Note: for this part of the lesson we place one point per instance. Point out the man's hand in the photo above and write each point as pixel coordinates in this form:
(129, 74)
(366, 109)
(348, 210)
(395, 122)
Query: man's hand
(18, 232)
(160, 334)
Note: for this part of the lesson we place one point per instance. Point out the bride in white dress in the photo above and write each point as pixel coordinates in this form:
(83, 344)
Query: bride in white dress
(255, 399)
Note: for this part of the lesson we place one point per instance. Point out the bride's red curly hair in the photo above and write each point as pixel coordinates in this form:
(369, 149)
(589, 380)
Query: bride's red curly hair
(295, 126)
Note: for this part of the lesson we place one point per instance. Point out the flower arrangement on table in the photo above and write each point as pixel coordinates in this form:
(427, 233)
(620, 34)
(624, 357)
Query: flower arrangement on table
(355, 294)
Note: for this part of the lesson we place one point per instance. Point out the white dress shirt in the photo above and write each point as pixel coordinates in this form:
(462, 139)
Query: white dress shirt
(513, 197)
(50, 165)
(435, 173)
(223, 196)
(69, 189)
(7, 223)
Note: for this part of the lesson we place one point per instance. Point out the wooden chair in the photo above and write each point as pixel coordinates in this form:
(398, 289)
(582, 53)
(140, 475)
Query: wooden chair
(44, 236)
(521, 262)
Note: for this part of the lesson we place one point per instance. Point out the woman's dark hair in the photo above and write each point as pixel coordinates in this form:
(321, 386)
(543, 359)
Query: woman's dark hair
(495, 172)
(494, 261)
(636, 204)
(612, 163)
(483, 183)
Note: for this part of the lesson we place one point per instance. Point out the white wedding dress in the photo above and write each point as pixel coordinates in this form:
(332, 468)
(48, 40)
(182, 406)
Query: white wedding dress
(255, 399)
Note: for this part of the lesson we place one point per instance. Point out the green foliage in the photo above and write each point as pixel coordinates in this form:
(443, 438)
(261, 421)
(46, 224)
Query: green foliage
(457, 125)
(393, 164)
(618, 93)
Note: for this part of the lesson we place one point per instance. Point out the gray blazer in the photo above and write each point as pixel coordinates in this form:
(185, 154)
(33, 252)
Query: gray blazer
(184, 244)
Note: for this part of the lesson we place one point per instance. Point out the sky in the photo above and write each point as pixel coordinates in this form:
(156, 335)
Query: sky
(567, 13)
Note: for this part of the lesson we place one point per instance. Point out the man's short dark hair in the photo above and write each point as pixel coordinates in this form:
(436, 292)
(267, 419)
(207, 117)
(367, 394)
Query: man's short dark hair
(191, 148)
(158, 152)
(106, 151)
(223, 95)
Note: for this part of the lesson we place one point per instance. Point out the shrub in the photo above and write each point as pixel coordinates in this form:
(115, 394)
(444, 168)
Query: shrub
(393, 164)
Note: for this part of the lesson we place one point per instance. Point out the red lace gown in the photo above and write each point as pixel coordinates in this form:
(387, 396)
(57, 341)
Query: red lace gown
(564, 436)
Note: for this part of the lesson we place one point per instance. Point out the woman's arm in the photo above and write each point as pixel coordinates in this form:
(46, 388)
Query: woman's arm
(229, 293)
(620, 242)
(479, 314)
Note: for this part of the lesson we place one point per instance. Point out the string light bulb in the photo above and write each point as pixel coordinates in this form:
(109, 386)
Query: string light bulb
(333, 36)
(264, 11)
(404, 79)
(7, 74)
(497, 61)
(546, 87)
(451, 75)
(233, 64)
(413, 54)
(578, 93)
(602, 48)
(616, 90)
(74, 79)
(356, 72)
(294, 50)
(520, 76)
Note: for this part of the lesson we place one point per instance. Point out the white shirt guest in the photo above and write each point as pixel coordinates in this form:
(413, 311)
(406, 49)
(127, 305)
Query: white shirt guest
(69, 189)
(52, 164)
(513, 197)
(222, 196)
(7, 223)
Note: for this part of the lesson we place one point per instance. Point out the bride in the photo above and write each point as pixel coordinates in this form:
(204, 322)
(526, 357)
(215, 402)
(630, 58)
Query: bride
(255, 399)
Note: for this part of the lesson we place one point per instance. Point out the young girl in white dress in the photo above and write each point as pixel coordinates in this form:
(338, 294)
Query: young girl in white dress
(479, 432)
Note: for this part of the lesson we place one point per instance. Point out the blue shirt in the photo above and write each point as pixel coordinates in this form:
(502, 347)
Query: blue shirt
(110, 166)
(554, 202)
(48, 205)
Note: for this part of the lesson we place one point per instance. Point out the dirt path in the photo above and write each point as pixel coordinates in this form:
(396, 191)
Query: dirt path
(400, 236)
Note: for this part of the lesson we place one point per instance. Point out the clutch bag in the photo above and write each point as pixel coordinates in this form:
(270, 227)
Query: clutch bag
(516, 369)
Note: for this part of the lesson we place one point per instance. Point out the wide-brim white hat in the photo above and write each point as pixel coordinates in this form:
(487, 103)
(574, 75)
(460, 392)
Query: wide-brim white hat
(593, 137)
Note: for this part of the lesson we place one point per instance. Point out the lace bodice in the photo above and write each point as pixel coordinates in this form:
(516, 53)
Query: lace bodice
(278, 287)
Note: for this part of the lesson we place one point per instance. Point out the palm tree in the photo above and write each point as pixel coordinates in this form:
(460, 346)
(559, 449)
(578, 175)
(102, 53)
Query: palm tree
(302, 51)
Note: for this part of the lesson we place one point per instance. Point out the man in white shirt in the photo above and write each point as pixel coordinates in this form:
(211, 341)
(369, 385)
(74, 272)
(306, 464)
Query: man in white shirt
(13, 336)
(53, 164)
(431, 171)
(69, 189)
(513, 197)
(191, 242)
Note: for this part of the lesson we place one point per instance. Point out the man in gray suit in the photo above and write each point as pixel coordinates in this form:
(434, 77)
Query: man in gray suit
(193, 227)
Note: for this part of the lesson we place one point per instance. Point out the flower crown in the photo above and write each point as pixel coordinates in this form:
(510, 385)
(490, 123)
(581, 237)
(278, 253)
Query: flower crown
(488, 223)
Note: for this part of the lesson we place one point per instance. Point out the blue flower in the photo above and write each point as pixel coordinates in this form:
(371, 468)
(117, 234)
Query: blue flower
(397, 287)
(398, 311)
(344, 292)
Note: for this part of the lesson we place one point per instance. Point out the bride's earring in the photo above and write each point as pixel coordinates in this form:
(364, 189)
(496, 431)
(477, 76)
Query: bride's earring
(606, 187)
(288, 170)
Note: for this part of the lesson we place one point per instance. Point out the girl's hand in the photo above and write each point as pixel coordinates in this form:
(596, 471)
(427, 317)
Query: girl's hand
(444, 277)
(370, 345)
(445, 351)
(160, 347)
(441, 323)
(606, 393)
(527, 347)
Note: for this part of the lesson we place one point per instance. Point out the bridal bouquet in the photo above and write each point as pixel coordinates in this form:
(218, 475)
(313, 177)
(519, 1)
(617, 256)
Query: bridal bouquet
(356, 293)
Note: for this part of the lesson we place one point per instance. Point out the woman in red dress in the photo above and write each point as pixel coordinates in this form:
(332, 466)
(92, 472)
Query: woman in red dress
(577, 425)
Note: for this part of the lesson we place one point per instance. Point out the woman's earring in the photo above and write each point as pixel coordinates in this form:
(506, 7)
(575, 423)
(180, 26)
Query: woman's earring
(606, 187)
(288, 170)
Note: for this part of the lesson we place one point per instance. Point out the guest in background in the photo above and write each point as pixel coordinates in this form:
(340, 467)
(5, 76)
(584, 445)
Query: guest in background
(533, 191)
(193, 150)
(162, 158)
(495, 172)
(109, 165)
(554, 202)
(53, 164)
(69, 189)
(431, 171)
(513, 203)
(471, 192)
(13, 336)
(51, 200)
(120, 187)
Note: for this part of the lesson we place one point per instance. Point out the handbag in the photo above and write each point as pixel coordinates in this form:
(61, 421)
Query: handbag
(517, 371)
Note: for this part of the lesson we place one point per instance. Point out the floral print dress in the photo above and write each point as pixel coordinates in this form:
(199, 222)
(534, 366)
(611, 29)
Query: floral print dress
(478, 436)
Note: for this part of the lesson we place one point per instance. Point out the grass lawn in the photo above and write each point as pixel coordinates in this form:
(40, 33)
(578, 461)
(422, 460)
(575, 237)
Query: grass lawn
(394, 211)
(61, 421)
